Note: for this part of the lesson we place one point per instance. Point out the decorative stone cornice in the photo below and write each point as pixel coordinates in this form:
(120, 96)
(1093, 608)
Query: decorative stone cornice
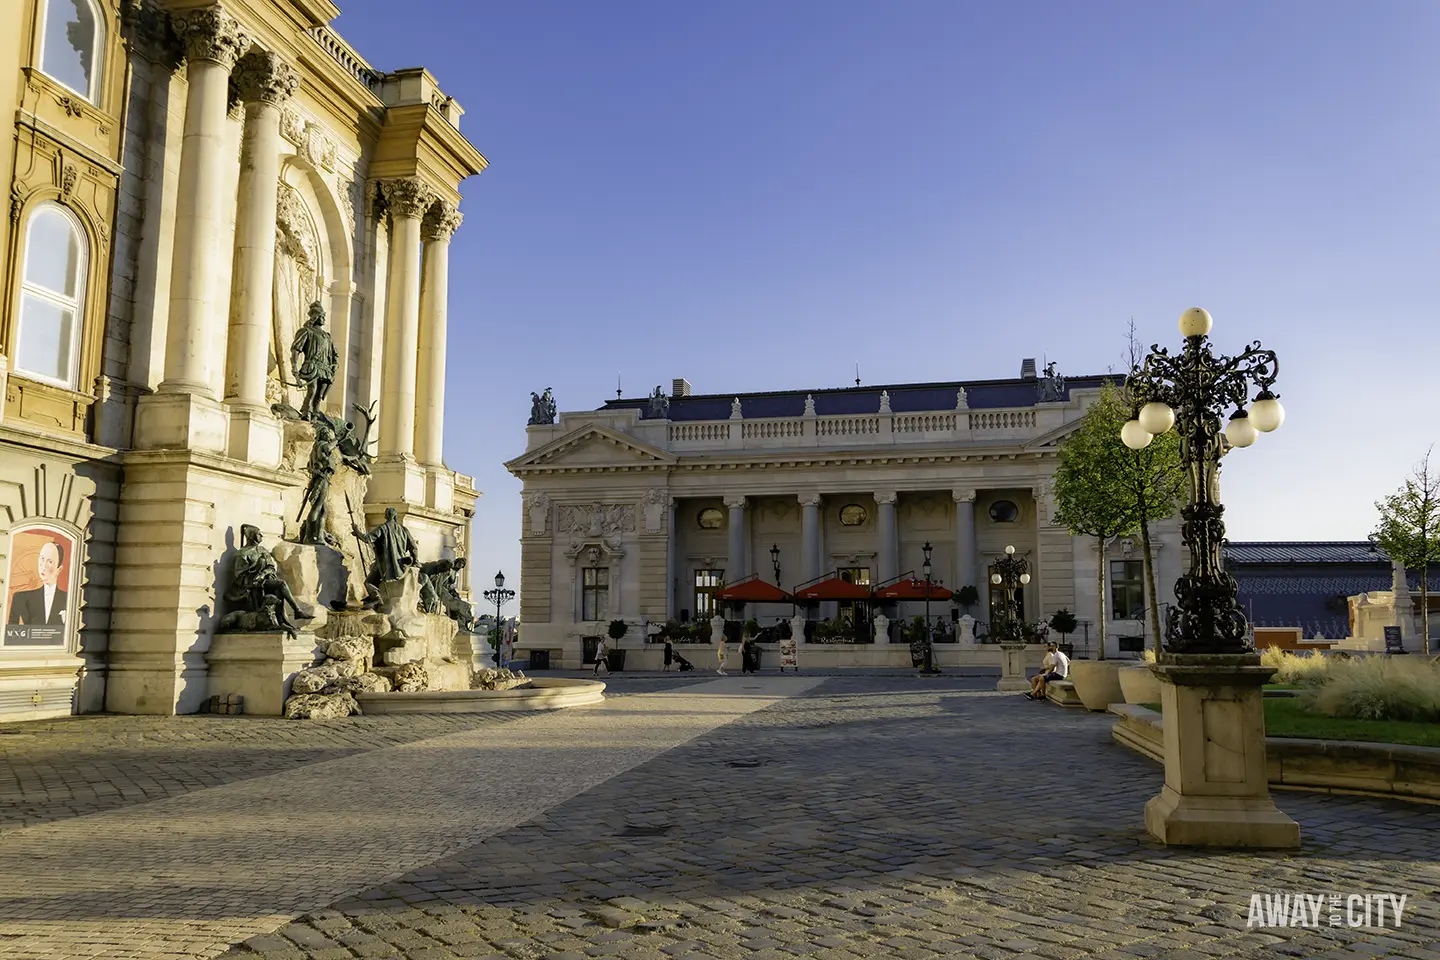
(407, 197)
(440, 223)
(209, 33)
(261, 76)
(150, 33)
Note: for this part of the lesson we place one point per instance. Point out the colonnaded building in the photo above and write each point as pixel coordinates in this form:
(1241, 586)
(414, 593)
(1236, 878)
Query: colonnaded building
(641, 509)
(185, 180)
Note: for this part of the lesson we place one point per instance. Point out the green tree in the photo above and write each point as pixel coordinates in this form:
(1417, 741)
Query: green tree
(1155, 480)
(1409, 531)
(1092, 498)
(967, 596)
(1063, 623)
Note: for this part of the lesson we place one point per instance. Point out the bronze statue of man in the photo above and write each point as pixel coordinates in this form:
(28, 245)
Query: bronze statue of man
(256, 584)
(395, 548)
(317, 370)
(322, 468)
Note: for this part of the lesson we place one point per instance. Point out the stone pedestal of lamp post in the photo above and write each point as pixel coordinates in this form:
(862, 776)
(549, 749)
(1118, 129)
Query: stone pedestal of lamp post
(1012, 668)
(1216, 792)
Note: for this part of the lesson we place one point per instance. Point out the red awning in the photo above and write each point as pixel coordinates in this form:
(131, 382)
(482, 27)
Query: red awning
(912, 589)
(833, 589)
(752, 591)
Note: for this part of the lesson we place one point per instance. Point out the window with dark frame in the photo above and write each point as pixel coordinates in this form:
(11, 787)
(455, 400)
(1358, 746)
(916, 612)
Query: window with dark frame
(595, 590)
(1127, 590)
(848, 610)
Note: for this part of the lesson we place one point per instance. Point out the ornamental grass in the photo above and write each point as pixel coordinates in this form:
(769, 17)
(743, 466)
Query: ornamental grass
(1298, 669)
(1379, 688)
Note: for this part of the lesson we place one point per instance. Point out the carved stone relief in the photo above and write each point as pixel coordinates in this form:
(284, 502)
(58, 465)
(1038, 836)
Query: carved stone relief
(595, 520)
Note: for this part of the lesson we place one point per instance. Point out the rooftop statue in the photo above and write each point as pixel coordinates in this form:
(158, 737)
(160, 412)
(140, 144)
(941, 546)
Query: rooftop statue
(257, 594)
(317, 370)
(1052, 385)
(542, 407)
(659, 405)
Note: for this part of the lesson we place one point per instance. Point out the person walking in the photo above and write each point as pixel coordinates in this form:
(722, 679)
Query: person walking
(601, 652)
(669, 655)
(720, 657)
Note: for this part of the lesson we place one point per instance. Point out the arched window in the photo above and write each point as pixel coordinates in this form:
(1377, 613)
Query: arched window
(52, 296)
(74, 48)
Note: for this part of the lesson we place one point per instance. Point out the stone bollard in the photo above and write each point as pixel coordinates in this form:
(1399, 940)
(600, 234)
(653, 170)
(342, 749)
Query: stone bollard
(966, 635)
(882, 628)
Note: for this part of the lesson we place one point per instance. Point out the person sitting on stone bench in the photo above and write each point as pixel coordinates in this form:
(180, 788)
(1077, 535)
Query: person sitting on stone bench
(1055, 666)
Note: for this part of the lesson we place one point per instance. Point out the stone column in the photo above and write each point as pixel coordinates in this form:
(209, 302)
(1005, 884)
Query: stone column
(810, 535)
(672, 561)
(264, 82)
(407, 199)
(185, 412)
(888, 547)
(213, 42)
(735, 565)
(439, 224)
(967, 565)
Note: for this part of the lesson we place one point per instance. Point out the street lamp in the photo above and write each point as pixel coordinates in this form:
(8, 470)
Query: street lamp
(1210, 675)
(775, 561)
(929, 668)
(1190, 392)
(499, 596)
(1011, 573)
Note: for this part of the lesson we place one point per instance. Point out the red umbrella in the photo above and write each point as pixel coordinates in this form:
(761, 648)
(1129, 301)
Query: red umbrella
(912, 589)
(752, 591)
(833, 589)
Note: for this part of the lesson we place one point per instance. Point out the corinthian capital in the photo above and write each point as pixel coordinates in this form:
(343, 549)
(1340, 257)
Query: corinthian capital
(262, 77)
(407, 197)
(884, 496)
(735, 503)
(211, 34)
(441, 221)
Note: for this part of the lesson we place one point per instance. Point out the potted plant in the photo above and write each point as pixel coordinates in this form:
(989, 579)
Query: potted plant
(752, 627)
(615, 659)
(967, 596)
(1064, 623)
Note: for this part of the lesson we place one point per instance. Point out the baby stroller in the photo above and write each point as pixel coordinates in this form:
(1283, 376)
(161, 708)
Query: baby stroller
(684, 664)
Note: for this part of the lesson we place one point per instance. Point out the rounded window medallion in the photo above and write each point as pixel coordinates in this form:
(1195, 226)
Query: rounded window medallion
(852, 515)
(711, 518)
(1004, 511)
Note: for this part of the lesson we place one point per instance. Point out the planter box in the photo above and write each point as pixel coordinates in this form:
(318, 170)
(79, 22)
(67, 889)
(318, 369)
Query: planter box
(1139, 684)
(1097, 682)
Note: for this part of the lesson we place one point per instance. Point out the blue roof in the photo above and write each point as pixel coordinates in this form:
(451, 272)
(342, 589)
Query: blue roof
(857, 401)
(1305, 551)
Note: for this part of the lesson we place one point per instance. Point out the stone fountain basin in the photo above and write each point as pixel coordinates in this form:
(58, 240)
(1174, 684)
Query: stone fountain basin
(547, 693)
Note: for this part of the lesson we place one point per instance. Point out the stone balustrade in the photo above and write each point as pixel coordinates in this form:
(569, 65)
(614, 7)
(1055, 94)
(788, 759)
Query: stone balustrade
(847, 431)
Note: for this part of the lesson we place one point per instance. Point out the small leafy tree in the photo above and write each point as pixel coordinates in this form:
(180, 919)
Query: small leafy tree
(1091, 495)
(1154, 479)
(618, 629)
(1409, 531)
(1063, 623)
(967, 596)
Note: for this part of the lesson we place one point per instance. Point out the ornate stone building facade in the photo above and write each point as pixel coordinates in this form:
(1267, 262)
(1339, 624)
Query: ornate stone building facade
(186, 178)
(640, 509)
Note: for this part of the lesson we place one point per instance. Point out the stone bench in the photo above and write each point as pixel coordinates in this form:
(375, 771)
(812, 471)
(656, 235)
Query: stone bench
(1063, 693)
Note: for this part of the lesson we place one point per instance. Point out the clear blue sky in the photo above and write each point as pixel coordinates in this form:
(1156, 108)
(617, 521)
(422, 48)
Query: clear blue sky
(755, 195)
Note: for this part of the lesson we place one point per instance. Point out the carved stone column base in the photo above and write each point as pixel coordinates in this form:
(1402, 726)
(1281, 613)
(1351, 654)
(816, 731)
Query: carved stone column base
(181, 421)
(1012, 668)
(1216, 791)
(256, 435)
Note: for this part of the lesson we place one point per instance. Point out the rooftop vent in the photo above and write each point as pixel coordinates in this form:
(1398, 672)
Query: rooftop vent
(1027, 368)
(680, 387)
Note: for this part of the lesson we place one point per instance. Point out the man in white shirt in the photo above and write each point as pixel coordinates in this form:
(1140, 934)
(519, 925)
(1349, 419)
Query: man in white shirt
(1055, 666)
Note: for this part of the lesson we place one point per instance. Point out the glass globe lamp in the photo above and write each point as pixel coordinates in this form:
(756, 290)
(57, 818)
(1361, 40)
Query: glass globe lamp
(1195, 322)
(995, 579)
(1156, 417)
(1024, 578)
(1010, 549)
(1240, 431)
(1266, 413)
(1135, 436)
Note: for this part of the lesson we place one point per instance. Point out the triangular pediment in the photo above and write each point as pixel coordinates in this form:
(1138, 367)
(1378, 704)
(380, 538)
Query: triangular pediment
(1055, 437)
(592, 447)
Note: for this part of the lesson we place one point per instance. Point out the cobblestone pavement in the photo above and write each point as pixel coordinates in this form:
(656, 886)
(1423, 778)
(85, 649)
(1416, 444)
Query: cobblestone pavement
(864, 817)
(189, 875)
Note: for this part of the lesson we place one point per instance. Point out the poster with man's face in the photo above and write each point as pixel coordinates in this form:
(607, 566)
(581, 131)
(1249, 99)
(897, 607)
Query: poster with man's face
(38, 587)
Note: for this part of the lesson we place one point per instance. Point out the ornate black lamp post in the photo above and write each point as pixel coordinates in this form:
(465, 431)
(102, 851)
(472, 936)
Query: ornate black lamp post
(929, 668)
(1210, 675)
(1191, 392)
(775, 561)
(499, 596)
(1011, 572)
